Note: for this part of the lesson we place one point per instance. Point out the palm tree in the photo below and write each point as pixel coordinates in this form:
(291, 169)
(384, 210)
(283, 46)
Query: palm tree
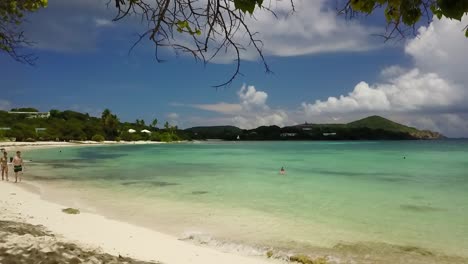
(154, 123)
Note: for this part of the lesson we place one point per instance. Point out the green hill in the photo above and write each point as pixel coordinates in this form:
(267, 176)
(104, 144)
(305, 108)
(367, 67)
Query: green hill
(378, 122)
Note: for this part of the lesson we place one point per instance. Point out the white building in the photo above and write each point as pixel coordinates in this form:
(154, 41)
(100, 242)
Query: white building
(32, 114)
(288, 134)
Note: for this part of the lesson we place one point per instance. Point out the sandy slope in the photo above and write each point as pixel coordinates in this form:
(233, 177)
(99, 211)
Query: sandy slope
(113, 237)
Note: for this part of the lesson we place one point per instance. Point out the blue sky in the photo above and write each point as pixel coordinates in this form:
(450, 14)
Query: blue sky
(325, 69)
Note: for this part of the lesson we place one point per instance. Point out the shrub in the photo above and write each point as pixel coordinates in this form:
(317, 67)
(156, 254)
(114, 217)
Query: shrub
(118, 139)
(71, 211)
(98, 138)
(155, 136)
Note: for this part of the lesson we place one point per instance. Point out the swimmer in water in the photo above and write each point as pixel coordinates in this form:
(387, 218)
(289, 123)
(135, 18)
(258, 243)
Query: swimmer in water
(282, 171)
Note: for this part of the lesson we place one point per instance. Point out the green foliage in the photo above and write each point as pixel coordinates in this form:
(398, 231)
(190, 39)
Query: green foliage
(98, 138)
(110, 124)
(452, 8)
(154, 123)
(377, 122)
(184, 26)
(371, 128)
(71, 125)
(269, 253)
(409, 12)
(307, 260)
(26, 109)
(12, 15)
(247, 5)
(71, 211)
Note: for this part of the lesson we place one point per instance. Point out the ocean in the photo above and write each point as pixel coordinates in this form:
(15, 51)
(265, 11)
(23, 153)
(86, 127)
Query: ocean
(355, 202)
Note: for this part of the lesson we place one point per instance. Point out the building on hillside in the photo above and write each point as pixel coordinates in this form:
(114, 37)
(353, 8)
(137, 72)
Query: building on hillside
(40, 129)
(288, 134)
(32, 114)
(329, 134)
(146, 131)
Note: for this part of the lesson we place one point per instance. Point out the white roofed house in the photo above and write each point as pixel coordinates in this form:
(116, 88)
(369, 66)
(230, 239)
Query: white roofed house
(145, 131)
(31, 114)
(131, 131)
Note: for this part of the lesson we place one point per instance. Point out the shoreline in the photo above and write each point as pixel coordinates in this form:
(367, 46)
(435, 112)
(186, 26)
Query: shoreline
(89, 230)
(53, 144)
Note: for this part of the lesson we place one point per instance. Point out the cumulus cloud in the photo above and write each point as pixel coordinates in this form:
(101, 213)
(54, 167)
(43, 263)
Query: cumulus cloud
(251, 111)
(251, 98)
(433, 94)
(412, 91)
(392, 71)
(313, 28)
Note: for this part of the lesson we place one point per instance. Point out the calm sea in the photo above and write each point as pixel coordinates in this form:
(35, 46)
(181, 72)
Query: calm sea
(357, 202)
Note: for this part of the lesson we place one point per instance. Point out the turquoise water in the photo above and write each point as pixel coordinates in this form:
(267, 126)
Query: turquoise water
(370, 202)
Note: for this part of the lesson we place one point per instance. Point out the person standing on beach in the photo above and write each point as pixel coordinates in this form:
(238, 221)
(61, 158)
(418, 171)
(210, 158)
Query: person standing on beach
(4, 165)
(18, 165)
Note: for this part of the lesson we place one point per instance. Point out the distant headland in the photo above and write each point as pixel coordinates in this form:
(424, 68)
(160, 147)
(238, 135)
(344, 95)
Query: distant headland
(369, 128)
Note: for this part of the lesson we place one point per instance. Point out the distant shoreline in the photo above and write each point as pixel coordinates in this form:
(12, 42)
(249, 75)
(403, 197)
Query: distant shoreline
(55, 144)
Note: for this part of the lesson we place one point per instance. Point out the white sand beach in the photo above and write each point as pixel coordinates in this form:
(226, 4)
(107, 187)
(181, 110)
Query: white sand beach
(95, 232)
(57, 144)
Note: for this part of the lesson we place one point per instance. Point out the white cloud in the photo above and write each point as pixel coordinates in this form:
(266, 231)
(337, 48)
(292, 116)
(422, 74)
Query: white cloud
(412, 91)
(172, 116)
(392, 71)
(5, 105)
(251, 111)
(433, 94)
(255, 111)
(313, 28)
(222, 107)
(442, 48)
(251, 98)
(102, 22)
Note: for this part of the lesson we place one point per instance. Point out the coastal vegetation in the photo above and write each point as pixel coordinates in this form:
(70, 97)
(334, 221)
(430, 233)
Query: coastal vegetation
(369, 128)
(70, 125)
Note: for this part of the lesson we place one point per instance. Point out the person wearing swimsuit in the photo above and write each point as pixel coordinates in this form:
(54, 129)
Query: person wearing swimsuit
(18, 165)
(4, 165)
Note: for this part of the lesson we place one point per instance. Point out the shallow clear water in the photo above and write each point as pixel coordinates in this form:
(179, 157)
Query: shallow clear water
(399, 198)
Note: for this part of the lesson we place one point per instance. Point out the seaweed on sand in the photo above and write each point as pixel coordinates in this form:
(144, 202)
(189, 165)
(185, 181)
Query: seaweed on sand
(71, 211)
